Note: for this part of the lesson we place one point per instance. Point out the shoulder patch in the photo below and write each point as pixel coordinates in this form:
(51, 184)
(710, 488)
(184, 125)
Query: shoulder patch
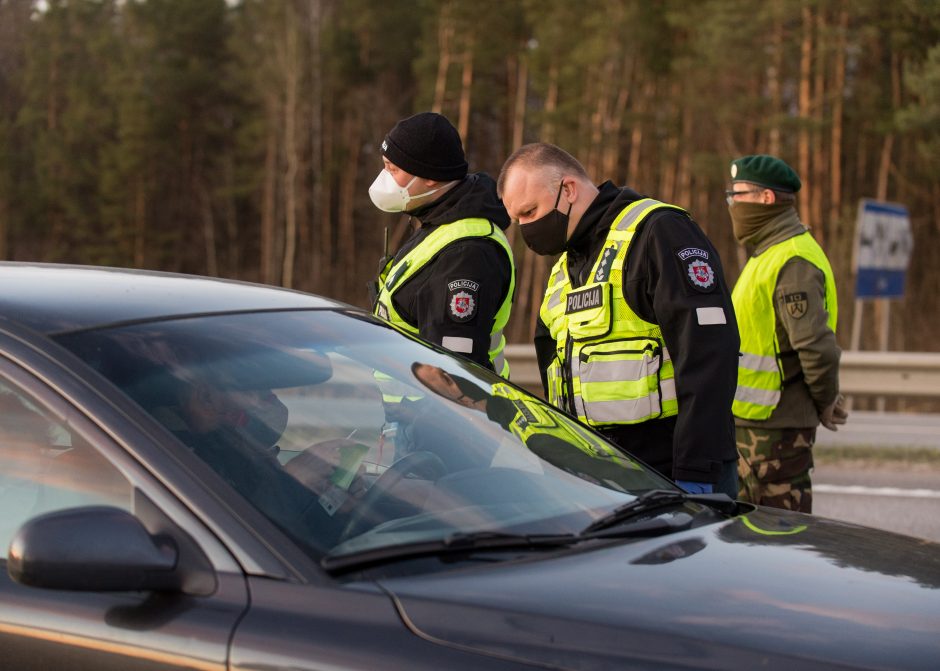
(695, 266)
(462, 299)
(796, 304)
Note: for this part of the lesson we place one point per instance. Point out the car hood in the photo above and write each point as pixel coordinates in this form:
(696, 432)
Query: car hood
(770, 589)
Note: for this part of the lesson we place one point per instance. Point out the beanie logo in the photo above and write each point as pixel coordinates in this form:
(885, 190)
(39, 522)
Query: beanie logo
(734, 167)
(384, 145)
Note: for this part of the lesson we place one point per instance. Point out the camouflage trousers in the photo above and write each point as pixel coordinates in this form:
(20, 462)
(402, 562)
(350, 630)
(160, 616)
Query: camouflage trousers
(774, 466)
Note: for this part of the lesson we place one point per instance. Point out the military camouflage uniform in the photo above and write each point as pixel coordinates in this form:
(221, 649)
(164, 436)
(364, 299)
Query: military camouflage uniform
(775, 455)
(774, 466)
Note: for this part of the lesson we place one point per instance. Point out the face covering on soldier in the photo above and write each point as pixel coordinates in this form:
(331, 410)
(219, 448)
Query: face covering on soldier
(389, 197)
(748, 218)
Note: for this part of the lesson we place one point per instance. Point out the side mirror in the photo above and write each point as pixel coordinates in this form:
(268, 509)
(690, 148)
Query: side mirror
(93, 548)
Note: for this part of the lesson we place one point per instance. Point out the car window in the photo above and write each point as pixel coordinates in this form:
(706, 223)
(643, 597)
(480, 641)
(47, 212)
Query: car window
(349, 435)
(45, 466)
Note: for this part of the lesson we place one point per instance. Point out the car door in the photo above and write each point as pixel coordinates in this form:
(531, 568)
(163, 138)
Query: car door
(55, 456)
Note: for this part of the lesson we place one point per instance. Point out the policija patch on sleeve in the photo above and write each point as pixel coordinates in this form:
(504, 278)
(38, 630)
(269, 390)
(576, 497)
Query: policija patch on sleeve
(796, 303)
(463, 298)
(698, 271)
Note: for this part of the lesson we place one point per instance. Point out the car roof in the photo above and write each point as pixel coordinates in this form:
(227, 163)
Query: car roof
(53, 298)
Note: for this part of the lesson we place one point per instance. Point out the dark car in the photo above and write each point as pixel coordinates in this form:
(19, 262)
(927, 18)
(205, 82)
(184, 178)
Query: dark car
(201, 474)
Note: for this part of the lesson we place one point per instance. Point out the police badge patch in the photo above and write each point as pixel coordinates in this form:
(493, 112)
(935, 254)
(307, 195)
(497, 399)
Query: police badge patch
(697, 268)
(462, 299)
(796, 304)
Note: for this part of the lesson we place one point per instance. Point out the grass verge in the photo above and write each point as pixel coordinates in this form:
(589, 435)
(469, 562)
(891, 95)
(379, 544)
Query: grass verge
(901, 456)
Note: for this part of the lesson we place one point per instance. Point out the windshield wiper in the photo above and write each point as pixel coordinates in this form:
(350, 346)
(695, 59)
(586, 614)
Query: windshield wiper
(476, 541)
(455, 542)
(659, 498)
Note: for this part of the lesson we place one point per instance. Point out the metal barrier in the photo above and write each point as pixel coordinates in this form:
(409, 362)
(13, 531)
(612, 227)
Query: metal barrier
(910, 374)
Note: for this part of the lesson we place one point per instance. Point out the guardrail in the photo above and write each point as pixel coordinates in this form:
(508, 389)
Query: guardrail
(910, 374)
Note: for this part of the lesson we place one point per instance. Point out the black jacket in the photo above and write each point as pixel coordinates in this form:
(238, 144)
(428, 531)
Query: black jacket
(660, 287)
(426, 299)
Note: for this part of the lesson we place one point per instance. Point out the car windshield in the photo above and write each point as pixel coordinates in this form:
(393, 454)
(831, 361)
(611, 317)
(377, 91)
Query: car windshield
(351, 436)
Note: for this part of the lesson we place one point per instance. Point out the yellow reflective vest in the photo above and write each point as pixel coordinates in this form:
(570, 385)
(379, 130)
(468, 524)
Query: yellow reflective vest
(611, 366)
(760, 374)
(395, 274)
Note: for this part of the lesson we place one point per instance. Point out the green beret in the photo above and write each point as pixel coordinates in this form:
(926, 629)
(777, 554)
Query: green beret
(767, 171)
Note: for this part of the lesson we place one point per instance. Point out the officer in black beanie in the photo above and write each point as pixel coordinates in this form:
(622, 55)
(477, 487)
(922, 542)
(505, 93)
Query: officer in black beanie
(453, 279)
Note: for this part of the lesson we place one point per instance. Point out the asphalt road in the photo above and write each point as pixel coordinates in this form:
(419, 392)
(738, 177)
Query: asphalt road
(884, 429)
(884, 493)
(891, 496)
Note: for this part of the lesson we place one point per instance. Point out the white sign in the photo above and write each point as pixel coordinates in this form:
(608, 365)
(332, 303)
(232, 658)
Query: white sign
(883, 245)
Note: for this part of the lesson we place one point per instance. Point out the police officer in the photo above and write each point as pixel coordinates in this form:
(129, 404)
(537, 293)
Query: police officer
(785, 300)
(452, 281)
(637, 334)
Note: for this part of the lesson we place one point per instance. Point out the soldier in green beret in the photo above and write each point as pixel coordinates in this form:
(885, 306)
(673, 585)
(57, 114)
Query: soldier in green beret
(785, 301)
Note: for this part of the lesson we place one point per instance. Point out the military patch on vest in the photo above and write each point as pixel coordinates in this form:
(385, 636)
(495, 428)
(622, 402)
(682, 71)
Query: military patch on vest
(463, 298)
(382, 311)
(584, 299)
(607, 260)
(698, 270)
(796, 304)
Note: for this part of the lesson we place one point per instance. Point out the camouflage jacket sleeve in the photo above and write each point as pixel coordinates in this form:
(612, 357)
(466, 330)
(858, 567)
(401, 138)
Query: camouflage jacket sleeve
(807, 345)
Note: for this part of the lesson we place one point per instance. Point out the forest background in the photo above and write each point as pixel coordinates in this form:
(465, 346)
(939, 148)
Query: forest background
(238, 139)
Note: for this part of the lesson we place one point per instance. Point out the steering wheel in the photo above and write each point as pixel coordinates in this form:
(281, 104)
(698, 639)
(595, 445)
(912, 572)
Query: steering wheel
(365, 511)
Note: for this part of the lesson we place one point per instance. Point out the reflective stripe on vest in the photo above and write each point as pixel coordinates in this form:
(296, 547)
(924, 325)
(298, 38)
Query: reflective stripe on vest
(611, 366)
(398, 274)
(760, 374)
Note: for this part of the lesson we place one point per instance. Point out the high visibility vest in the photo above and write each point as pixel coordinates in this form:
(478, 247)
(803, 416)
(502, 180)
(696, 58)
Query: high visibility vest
(610, 366)
(760, 373)
(393, 277)
(531, 418)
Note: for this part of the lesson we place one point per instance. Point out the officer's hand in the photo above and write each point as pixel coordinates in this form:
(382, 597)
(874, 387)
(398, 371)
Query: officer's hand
(834, 414)
(695, 487)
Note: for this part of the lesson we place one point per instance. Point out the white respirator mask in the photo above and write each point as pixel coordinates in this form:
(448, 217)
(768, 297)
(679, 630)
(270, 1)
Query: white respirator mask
(389, 197)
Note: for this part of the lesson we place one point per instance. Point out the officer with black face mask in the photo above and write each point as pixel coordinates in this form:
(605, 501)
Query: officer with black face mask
(452, 281)
(637, 334)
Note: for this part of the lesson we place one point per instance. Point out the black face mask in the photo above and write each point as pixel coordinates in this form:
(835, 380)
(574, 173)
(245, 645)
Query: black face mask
(548, 235)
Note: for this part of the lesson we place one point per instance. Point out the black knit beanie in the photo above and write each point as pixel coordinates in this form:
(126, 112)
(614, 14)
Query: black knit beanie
(428, 146)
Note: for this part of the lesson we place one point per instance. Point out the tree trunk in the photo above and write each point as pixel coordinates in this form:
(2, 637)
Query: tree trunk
(208, 228)
(547, 132)
(291, 150)
(773, 83)
(269, 205)
(352, 142)
(636, 135)
(319, 218)
(838, 86)
(518, 113)
(818, 161)
(611, 148)
(466, 89)
(884, 165)
(684, 170)
(806, 71)
(233, 260)
(445, 35)
(140, 223)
